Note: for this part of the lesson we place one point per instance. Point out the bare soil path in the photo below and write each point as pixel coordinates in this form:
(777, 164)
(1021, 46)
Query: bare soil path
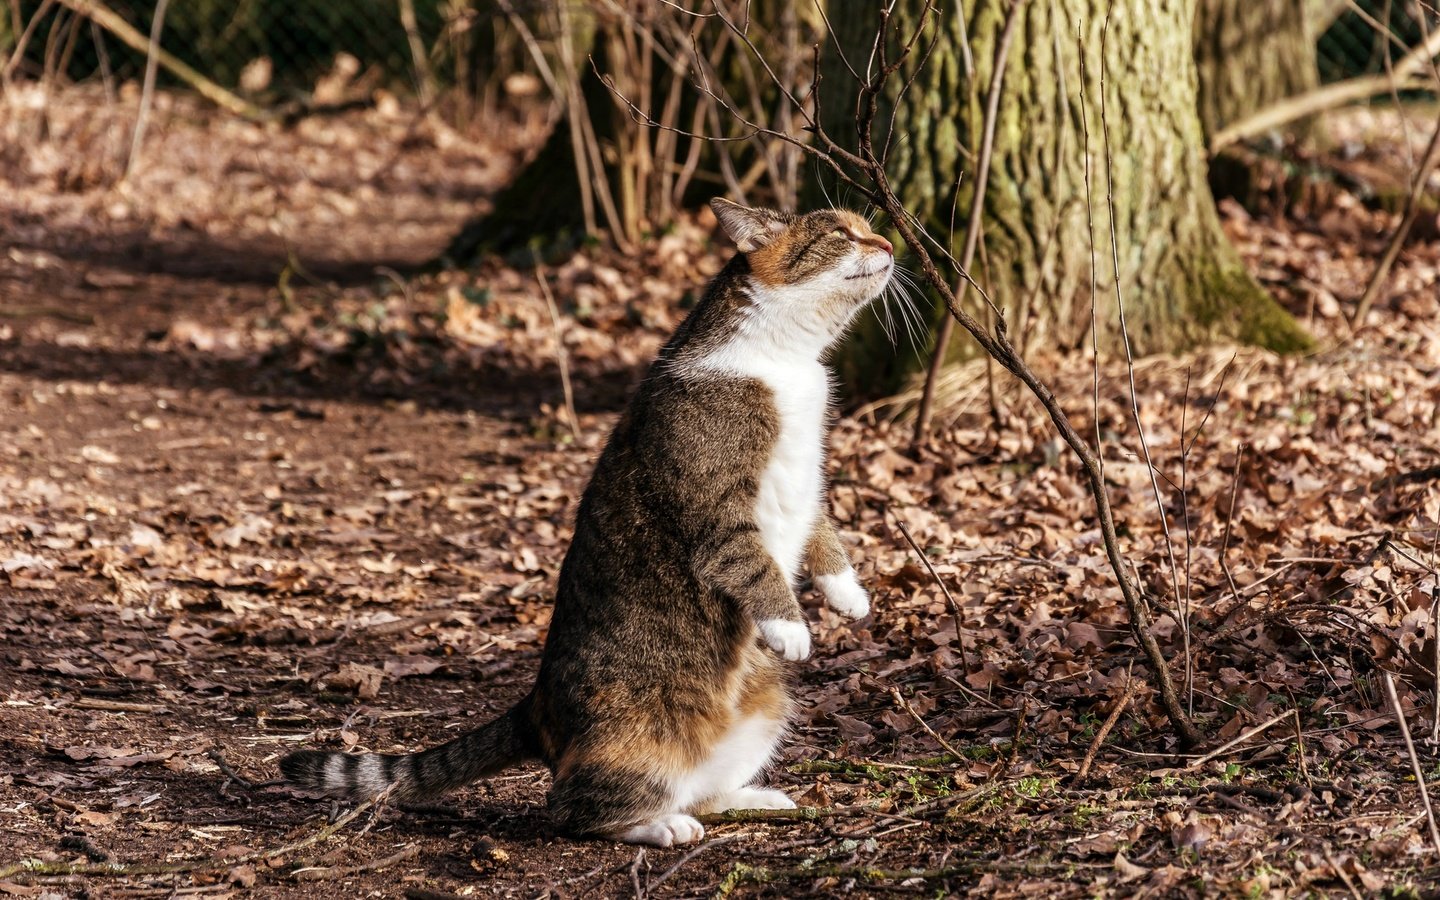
(246, 511)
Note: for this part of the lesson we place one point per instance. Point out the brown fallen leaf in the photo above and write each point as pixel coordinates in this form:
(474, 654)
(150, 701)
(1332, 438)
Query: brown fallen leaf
(82, 754)
(242, 876)
(406, 666)
(364, 680)
(138, 759)
(1127, 870)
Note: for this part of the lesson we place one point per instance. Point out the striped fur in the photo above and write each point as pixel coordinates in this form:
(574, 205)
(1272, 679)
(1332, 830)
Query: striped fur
(416, 776)
(663, 688)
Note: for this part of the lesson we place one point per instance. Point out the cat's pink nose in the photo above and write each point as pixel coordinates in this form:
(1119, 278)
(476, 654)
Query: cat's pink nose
(883, 244)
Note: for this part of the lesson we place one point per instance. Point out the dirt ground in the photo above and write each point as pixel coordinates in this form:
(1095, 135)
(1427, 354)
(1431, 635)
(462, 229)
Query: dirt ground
(263, 487)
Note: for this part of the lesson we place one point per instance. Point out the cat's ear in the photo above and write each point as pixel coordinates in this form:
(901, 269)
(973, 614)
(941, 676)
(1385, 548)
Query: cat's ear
(750, 229)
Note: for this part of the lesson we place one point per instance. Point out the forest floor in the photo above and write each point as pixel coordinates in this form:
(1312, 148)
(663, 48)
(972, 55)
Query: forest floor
(261, 489)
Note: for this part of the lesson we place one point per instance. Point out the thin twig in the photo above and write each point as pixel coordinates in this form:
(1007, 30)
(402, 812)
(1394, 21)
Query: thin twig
(1414, 759)
(424, 77)
(1402, 231)
(1183, 618)
(1340, 873)
(949, 598)
(1121, 703)
(1231, 744)
(905, 705)
(561, 358)
(708, 845)
(635, 874)
(1300, 745)
(147, 93)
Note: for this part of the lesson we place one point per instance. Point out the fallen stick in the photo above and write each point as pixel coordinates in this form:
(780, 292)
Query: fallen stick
(1121, 703)
(54, 312)
(905, 705)
(1416, 476)
(331, 873)
(798, 814)
(103, 705)
(1414, 759)
(817, 813)
(744, 873)
(106, 18)
(1229, 745)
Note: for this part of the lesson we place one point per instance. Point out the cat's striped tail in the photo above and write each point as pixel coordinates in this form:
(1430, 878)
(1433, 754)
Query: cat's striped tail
(416, 776)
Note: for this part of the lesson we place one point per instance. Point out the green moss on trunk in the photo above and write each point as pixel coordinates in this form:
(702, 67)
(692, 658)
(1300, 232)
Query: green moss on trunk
(1230, 302)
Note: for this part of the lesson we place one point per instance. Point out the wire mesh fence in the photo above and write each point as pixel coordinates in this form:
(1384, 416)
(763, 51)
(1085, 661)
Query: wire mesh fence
(274, 46)
(1368, 33)
(278, 49)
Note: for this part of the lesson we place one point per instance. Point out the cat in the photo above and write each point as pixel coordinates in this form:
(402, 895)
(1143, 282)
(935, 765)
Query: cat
(663, 689)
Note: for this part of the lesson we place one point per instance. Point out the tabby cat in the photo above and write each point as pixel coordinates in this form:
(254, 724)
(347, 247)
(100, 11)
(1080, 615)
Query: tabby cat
(663, 689)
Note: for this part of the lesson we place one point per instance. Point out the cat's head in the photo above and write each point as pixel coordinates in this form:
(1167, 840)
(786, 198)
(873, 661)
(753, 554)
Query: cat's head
(829, 257)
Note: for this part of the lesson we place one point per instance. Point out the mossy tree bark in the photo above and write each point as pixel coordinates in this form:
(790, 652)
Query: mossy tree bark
(1181, 281)
(1250, 54)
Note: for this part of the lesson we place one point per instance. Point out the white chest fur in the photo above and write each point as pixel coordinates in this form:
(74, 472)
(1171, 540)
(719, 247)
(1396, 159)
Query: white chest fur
(778, 343)
(788, 502)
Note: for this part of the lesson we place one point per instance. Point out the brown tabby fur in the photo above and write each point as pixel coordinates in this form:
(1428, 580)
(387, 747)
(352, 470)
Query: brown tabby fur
(652, 654)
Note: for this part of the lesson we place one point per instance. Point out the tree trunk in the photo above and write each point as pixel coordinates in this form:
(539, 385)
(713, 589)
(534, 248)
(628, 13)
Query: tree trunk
(1250, 54)
(1182, 283)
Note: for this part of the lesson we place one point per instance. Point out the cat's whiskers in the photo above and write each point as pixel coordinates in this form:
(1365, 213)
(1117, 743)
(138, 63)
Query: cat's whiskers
(898, 292)
(887, 323)
(906, 289)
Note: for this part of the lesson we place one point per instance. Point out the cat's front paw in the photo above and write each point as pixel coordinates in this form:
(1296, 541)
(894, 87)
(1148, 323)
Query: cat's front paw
(844, 594)
(789, 639)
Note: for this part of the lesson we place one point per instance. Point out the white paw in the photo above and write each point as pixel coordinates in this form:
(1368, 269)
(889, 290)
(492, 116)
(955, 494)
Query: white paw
(789, 639)
(844, 594)
(666, 831)
(754, 798)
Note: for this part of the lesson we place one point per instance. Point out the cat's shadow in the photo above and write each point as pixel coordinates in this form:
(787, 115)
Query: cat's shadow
(498, 821)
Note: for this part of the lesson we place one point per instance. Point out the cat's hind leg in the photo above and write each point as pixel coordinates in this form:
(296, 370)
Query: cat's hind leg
(726, 778)
(601, 801)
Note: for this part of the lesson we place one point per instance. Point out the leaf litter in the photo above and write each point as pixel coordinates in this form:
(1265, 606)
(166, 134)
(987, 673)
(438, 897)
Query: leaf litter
(250, 518)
